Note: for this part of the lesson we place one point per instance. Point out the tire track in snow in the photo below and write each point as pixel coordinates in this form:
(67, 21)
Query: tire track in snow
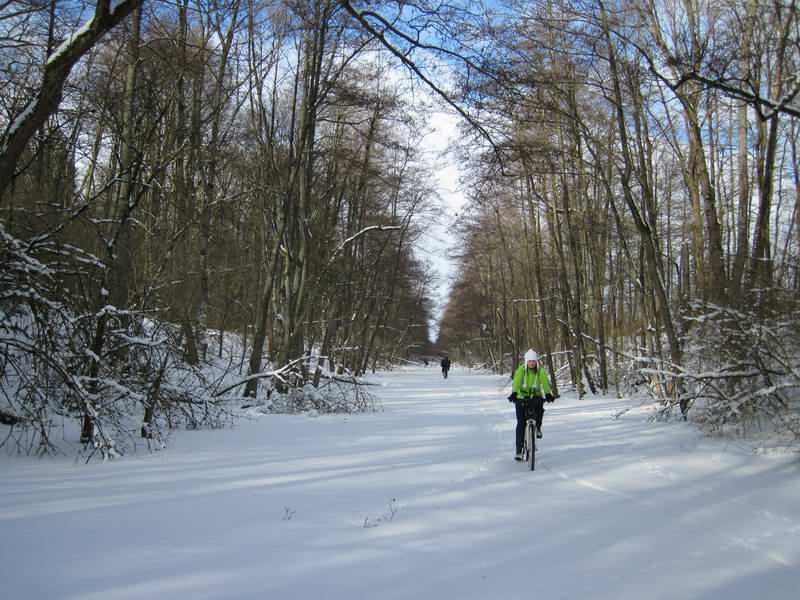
(689, 521)
(493, 424)
(641, 460)
(673, 477)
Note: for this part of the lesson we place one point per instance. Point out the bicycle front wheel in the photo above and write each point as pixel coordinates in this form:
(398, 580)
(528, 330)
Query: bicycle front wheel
(530, 444)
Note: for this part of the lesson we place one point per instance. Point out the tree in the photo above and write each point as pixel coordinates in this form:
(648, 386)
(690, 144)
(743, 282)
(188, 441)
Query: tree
(45, 99)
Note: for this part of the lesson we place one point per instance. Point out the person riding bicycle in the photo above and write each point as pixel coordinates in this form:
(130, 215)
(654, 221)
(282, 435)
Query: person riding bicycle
(531, 386)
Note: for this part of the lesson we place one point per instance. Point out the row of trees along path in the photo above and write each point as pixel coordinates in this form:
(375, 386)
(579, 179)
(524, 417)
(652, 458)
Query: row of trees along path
(170, 172)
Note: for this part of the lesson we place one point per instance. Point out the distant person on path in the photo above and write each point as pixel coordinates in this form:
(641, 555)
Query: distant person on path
(445, 366)
(531, 387)
(426, 363)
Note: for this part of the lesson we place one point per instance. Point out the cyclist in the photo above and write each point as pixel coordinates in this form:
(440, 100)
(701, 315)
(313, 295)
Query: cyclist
(530, 386)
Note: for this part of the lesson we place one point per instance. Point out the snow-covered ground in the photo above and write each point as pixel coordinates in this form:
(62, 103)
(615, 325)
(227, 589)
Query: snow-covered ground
(420, 501)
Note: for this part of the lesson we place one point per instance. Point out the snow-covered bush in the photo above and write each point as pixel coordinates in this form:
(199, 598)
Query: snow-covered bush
(118, 373)
(742, 369)
(334, 395)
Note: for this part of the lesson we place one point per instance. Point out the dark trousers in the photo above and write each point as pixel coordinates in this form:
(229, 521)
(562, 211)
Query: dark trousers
(536, 406)
(444, 373)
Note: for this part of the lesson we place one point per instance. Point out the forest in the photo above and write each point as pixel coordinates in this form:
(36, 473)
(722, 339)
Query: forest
(178, 177)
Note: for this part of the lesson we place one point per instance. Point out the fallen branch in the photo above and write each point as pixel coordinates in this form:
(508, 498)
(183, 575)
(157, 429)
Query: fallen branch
(263, 375)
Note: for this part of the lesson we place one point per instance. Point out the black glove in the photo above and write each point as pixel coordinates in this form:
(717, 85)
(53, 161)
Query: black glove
(512, 397)
(549, 398)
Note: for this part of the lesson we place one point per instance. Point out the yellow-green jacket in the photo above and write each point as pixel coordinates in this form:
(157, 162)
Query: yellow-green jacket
(530, 382)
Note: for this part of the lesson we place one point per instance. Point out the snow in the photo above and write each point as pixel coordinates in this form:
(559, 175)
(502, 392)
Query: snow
(422, 500)
(67, 44)
(21, 118)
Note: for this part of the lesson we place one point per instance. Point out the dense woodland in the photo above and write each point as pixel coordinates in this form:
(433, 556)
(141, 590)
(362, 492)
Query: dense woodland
(175, 174)
(639, 221)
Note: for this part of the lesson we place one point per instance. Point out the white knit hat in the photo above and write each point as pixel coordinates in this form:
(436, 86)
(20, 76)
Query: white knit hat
(531, 355)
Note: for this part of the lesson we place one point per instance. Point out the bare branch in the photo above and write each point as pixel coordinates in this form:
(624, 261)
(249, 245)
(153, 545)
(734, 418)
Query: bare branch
(56, 72)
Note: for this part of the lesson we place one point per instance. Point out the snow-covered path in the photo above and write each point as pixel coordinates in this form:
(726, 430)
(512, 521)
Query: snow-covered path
(421, 501)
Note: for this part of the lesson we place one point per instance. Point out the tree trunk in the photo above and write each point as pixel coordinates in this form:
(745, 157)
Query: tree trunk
(656, 279)
(743, 220)
(122, 260)
(56, 71)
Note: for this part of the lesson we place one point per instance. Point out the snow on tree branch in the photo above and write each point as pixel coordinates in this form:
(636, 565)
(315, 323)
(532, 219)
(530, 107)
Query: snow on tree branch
(55, 73)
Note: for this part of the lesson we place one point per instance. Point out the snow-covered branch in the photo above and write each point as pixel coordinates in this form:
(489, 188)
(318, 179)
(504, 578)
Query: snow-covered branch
(263, 375)
(354, 237)
(55, 73)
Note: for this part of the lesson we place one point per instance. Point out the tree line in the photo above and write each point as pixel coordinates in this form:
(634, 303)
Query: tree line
(635, 217)
(175, 172)
(172, 171)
